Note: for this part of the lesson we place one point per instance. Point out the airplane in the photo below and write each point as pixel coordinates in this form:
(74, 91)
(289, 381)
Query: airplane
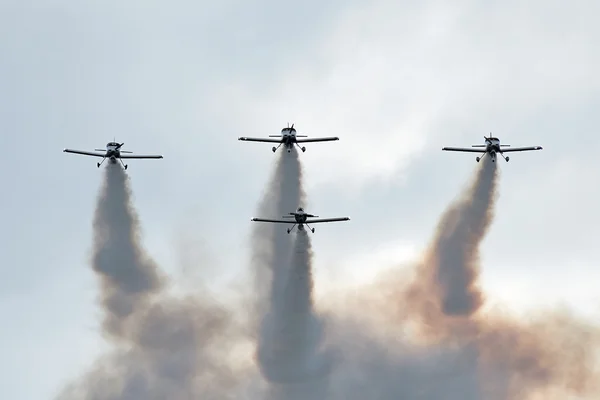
(113, 152)
(301, 219)
(492, 147)
(288, 138)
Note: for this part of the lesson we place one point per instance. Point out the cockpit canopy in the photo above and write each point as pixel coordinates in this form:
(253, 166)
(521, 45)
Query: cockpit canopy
(112, 144)
(288, 131)
(300, 209)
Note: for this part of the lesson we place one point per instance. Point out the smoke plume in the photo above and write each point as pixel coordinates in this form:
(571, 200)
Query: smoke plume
(429, 339)
(446, 283)
(128, 275)
(290, 332)
(425, 337)
(164, 347)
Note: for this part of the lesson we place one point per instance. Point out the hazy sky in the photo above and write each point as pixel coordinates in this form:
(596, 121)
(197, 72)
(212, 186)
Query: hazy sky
(396, 81)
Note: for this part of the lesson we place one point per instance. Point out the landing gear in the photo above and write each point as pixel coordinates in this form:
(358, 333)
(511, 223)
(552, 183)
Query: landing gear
(274, 149)
(478, 159)
(125, 166)
(507, 158)
(303, 149)
(289, 150)
(100, 163)
(311, 229)
(292, 228)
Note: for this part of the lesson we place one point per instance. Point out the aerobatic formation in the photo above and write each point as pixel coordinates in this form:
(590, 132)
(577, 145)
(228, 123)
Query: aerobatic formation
(425, 335)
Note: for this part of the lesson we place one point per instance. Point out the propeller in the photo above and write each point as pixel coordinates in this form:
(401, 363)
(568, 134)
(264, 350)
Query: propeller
(119, 146)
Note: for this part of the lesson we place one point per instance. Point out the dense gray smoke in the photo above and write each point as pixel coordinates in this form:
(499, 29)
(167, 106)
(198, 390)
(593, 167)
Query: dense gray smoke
(290, 335)
(270, 249)
(164, 347)
(128, 276)
(447, 279)
(430, 340)
(425, 336)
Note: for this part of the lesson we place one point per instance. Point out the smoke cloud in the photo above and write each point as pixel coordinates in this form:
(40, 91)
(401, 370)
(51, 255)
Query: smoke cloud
(164, 347)
(290, 331)
(418, 333)
(128, 275)
(429, 339)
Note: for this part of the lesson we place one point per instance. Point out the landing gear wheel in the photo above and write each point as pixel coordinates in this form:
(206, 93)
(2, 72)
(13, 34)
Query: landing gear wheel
(274, 148)
(303, 149)
(507, 158)
(98, 164)
(478, 159)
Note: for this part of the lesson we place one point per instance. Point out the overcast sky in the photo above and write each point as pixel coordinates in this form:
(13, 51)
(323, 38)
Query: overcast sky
(396, 81)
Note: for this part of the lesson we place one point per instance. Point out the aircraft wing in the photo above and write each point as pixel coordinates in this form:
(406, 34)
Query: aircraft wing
(465, 149)
(264, 140)
(85, 153)
(316, 221)
(323, 139)
(522, 149)
(280, 221)
(140, 156)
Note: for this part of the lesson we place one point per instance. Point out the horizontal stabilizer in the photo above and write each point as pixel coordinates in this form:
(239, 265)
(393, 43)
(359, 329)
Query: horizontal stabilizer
(505, 145)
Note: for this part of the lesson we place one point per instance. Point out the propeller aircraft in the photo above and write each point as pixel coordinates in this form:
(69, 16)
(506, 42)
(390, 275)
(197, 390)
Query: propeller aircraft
(288, 138)
(492, 147)
(112, 152)
(300, 218)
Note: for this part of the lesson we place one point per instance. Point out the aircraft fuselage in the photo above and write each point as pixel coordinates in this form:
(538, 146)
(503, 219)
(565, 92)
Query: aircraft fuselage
(300, 218)
(112, 152)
